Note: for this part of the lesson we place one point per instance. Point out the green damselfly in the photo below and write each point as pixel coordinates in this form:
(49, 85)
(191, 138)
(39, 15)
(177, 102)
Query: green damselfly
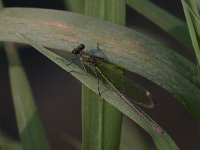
(115, 81)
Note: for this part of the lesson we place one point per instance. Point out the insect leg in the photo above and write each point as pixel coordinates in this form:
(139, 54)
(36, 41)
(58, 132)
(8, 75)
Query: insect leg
(64, 61)
(100, 51)
(98, 86)
(98, 45)
(83, 65)
(72, 60)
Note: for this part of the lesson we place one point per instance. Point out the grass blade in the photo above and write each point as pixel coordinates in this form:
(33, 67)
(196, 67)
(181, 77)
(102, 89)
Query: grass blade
(193, 21)
(6, 143)
(92, 120)
(75, 5)
(1, 4)
(163, 19)
(121, 46)
(74, 142)
(132, 137)
(162, 141)
(30, 129)
(97, 125)
(105, 117)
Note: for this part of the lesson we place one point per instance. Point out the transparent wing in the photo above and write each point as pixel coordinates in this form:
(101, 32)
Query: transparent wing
(131, 90)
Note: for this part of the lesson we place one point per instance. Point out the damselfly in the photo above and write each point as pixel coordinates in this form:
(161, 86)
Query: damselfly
(118, 83)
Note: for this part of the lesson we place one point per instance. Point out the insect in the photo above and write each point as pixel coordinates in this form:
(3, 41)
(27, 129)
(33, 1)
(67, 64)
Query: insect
(115, 80)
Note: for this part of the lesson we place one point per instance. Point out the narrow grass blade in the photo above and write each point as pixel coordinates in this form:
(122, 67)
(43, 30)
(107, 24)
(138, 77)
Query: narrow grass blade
(92, 120)
(132, 138)
(108, 10)
(6, 143)
(193, 21)
(76, 143)
(106, 117)
(97, 123)
(193, 8)
(1, 4)
(163, 19)
(30, 129)
(162, 141)
(75, 5)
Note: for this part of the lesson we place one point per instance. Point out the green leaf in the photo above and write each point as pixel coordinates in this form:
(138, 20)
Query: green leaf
(108, 10)
(103, 131)
(30, 129)
(121, 46)
(193, 22)
(75, 5)
(161, 139)
(1, 4)
(163, 19)
(132, 138)
(74, 142)
(99, 122)
(6, 143)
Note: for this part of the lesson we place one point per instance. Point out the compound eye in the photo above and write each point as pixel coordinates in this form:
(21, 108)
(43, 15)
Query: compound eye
(82, 46)
(73, 52)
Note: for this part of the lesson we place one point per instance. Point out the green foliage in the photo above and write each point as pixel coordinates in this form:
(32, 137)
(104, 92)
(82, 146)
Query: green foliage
(162, 140)
(126, 48)
(30, 129)
(192, 16)
(123, 47)
(75, 5)
(106, 118)
(29, 125)
(163, 19)
(7, 143)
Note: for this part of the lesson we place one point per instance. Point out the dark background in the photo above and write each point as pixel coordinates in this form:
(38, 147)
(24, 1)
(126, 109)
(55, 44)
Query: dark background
(60, 105)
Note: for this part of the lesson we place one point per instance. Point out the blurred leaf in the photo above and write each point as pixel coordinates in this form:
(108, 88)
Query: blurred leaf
(1, 4)
(163, 19)
(72, 141)
(30, 129)
(132, 138)
(6, 143)
(75, 5)
(108, 10)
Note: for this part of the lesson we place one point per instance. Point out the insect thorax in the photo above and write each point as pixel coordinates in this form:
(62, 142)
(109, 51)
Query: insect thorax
(88, 59)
